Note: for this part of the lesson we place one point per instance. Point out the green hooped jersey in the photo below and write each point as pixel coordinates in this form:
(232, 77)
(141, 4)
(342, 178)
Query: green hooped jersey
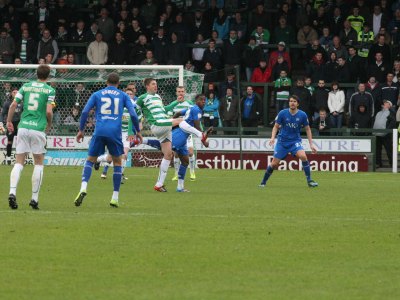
(153, 110)
(36, 95)
(178, 106)
(126, 117)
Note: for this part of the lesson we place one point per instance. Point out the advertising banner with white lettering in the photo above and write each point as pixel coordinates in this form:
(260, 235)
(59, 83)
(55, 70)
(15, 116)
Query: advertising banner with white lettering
(231, 144)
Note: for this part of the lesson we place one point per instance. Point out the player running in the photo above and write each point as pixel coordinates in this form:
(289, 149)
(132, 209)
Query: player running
(289, 123)
(161, 126)
(38, 98)
(109, 103)
(192, 116)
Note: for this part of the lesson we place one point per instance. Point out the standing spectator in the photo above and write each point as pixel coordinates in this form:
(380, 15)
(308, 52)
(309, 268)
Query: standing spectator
(320, 98)
(361, 97)
(212, 55)
(394, 27)
(229, 82)
(320, 20)
(381, 47)
(229, 110)
(159, 44)
(316, 69)
(360, 119)
(374, 88)
(215, 37)
(356, 66)
(312, 49)
(325, 39)
(396, 71)
(348, 35)
(251, 110)
(62, 35)
(149, 13)
(336, 21)
(176, 51)
(284, 32)
(258, 17)
(133, 32)
(199, 25)
(77, 35)
(237, 24)
(221, 24)
(138, 52)
(322, 123)
(211, 110)
(232, 51)
(90, 34)
(281, 51)
(306, 35)
(378, 69)
(304, 95)
(336, 102)
(7, 47)
(280, 65)
(342, 71)
(356, 21)
(308, 85)
(26, 48)
(47, 45)
(118, 51)
(71, 59)
(261, 74)
(390, 91)
(379, 20)
(331, 67)
(42, 13)
(181, 29)
(251, 57)
(210, 73)
(338, 48)
(365, 39)
(385, 119)
(106, 25)
(282, 87)
(197, 53)
(97, 52)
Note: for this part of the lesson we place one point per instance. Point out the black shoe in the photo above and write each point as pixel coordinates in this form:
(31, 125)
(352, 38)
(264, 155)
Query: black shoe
(34, 204)
(96, 166)
(12, 201)
(79, 198)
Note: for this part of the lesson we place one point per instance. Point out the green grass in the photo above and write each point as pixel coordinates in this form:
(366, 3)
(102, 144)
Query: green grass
(227, 239)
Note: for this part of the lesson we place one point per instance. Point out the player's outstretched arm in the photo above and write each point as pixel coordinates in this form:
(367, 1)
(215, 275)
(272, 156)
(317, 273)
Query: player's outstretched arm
(309, 137)
(10, 116)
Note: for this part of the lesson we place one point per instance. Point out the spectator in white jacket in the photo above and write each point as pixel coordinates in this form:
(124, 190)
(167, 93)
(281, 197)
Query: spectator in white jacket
(97, 52)
(336, 102)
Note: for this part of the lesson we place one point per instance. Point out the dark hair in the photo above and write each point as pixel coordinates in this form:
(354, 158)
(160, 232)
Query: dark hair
(199, 97)
(43, 72)
(113, 78)
(335, 83)
(295, 97)
(147, 81)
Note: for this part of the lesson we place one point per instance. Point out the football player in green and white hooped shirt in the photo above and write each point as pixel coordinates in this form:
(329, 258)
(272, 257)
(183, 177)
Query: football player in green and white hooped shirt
(38, 98)
(179, 105)
(161, 127)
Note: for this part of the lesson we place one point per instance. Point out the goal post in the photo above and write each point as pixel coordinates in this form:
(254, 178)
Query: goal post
(75, 83)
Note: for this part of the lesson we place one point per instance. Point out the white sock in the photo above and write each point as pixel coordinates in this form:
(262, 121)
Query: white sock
(115, 195)
(177, 163)
(181, 185)
(102, 158)
(14, 178)
(145, 140)
(83, 186)
(192, 163)
(189, 129)
(37, 177)
(163, 172)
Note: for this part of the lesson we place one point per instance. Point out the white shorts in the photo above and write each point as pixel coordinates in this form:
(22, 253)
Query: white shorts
(125, 141)
(162, 133)
(30, 141)
(189, 142)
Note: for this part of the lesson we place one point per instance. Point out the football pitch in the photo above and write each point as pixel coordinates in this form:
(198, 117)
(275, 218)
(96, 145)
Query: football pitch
(226, 239)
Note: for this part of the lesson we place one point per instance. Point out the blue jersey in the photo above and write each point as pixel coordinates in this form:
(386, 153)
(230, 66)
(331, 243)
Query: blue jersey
(109, 103)
(290, 125)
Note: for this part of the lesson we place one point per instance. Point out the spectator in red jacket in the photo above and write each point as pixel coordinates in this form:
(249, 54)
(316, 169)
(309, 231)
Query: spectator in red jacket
(261, 74)
(273, 58)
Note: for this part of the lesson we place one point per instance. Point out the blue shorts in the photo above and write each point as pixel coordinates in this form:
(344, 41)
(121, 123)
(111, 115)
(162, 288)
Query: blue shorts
(282, 149)
(98, 143)
(179, 142)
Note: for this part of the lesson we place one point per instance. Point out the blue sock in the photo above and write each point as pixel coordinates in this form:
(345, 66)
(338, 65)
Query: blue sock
(182, 171)
(87, 171)
(105, 169)
(154, 143)
(117, 177)
(307, 171)
(267, 174)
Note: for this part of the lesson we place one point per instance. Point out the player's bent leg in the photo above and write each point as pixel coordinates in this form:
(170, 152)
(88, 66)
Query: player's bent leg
(117, 177)
(14, 179)
(182, 172)
(301, 154)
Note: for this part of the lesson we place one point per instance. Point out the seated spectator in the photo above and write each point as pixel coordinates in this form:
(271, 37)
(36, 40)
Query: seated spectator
(262, 35)
(282, 87)
(326, 38)
(149, 59)
(360, 119)
(229, 82)
(73, 117)
(251, 107)
(385, 119)
(308, 85)
(306, 35)
(189, 66)
(215, 37)
(229, 110)
(322, 124)
(336, 102)
(211, 110)
(71, 58)
(221, 24)
(210, 73)
(261, 74)
(251, 57)
(281, 51)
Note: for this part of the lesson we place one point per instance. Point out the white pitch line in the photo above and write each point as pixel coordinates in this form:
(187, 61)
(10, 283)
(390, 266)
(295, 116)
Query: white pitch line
(144, 214)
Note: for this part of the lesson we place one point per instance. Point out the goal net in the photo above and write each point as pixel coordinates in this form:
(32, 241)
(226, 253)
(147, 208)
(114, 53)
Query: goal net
(74, 84)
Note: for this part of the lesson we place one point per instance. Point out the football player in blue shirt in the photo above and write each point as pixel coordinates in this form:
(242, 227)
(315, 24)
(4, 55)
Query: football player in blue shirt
(289, 123)
(109, 103)
(192, 116)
